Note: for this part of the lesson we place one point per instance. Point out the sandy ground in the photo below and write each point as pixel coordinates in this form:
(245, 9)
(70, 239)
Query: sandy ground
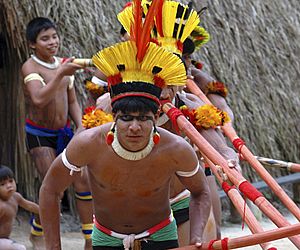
(74, 240)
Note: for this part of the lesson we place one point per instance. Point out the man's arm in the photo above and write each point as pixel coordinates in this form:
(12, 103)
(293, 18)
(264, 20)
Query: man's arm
(57, 179)
(200, 203)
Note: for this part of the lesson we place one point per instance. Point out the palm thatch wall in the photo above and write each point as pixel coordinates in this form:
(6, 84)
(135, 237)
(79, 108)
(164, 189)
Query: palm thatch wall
(254, 49)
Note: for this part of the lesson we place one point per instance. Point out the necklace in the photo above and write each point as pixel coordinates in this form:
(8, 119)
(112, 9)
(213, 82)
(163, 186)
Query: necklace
(128, 155)
(53, 65)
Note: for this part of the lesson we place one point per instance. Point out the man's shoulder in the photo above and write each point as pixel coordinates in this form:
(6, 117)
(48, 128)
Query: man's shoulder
(173, 139)
(93, 135)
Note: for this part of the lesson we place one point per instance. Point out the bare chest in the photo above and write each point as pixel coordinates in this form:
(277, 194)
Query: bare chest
(140, 178)
(9, 211)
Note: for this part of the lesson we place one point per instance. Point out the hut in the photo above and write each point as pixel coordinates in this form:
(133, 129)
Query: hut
(254, 49)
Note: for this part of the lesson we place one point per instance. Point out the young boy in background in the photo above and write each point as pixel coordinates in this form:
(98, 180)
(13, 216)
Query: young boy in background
(10, 200)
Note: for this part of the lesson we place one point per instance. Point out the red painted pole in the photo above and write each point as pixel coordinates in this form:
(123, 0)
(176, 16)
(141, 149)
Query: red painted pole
(233, 175)
(249, 240)
(247, 155)
(240, 205)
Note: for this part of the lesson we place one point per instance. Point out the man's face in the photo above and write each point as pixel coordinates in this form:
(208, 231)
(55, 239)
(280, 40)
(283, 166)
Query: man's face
(134, 129)
(125, 37)
(47, 43)
(168, 93)
(187, 60)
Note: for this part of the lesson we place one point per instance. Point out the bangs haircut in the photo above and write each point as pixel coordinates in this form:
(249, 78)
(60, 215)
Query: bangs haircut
(5, 173)
(36, 25)
(132, 104)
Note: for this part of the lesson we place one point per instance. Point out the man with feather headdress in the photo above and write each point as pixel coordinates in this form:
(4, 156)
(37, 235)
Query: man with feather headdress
(130, 162)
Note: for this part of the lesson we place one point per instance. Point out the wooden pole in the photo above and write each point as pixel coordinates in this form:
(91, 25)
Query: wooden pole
(247, 155)
(250, 240)
(84, 62)
(217, 159)
(292, 167)
(240, 205)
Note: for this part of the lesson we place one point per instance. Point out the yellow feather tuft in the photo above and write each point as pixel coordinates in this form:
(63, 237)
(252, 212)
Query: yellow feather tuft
(173, 70)
(126, 18)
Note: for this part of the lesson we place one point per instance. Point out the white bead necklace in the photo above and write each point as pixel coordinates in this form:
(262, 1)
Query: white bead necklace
(53, 65)
(128, 155)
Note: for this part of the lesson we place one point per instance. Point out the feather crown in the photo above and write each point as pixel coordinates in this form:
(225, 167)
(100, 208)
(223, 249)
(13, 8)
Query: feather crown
(174, 22)
(139, 67)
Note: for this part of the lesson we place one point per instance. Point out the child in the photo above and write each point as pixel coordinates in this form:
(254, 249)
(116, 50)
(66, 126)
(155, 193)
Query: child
(50, 101)
(9, 202)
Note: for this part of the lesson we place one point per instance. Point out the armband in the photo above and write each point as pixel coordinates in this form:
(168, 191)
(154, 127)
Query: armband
(68, 164)
(34, 76)
(71, 84)
(188, 174)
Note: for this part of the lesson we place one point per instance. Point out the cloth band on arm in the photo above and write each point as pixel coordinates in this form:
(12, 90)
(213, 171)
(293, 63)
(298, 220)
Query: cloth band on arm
(71, 84)
(34, 76)
(188, 174)
(68, 164)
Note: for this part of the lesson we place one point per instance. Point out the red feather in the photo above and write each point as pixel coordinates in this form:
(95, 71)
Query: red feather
(144, 39)
(158, 18)
(137, 24)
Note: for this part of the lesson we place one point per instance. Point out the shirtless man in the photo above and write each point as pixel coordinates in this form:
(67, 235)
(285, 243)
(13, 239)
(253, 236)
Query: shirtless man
(50, 98)
(10, 200)
(129, 164)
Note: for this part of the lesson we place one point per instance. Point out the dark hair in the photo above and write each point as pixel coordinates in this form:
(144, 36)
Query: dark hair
(36, 25)
(188, 47)
(135, 104)
(122, 31)
(5, 173)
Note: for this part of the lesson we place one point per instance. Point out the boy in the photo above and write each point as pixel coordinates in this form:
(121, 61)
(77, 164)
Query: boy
(9, 202)
(50, 99)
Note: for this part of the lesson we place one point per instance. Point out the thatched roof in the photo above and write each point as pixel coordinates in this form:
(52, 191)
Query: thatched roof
(254, 49)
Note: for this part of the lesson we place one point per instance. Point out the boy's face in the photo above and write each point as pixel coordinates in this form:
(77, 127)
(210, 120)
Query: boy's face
(7, 188)
(47, 43)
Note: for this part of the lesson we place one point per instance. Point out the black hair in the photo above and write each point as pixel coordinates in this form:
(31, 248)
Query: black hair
(188, 47)
(133, 104)
(36, 25)
(122, 31)
(5, 173)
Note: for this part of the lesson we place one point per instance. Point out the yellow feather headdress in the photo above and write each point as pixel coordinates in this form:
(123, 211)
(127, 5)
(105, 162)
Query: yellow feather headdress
(139, 67)
(174, 22)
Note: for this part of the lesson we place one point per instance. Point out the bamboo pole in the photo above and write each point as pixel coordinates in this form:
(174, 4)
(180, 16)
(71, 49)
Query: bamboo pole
(240, 205)
(249, 240)
(292, 167)
(269, 210)
(84, 62)
(247, 155)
